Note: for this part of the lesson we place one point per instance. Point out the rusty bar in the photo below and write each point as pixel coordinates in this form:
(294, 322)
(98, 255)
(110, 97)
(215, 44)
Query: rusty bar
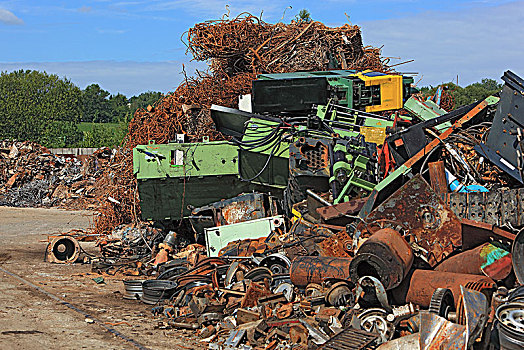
(437, 175)
(315, 269)
(336, 214)
(385, 255)
(418, 289)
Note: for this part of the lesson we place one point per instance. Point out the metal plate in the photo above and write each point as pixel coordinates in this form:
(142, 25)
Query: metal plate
(420, 211)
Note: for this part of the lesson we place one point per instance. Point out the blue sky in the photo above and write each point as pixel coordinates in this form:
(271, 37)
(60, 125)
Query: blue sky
(134, 46)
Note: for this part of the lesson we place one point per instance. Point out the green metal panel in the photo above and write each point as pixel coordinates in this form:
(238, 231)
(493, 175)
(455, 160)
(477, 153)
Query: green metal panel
(172, 177)
(252, 161)
(426, 110)
(185, 160)
(219, 237)
(171, 198)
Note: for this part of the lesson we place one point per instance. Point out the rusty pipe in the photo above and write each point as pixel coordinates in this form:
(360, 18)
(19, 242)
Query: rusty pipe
(385, 255)
(316, 269)
(419, 287)
(486, 259)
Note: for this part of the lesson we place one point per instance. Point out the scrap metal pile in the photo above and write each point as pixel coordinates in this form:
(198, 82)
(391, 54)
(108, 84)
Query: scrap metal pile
(31, 176)
(237, 50)
(340, 210)
(336, 208)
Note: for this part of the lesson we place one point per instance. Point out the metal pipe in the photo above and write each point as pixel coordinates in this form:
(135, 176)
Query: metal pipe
(316, 269)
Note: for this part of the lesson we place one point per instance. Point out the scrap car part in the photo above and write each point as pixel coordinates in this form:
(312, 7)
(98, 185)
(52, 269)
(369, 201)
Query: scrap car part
(365, 283)
(442, 302)
(276, 263)
(154, 291)
(438, 333)
(339, 294)
(258, 274)
(219, 237)
(517, 253)
(427, 220)
(510, 325)
(375, 321)
(351, 339)
(133, 289)
(62, 249)
(287, 289)
(385, 255)
(316, 269)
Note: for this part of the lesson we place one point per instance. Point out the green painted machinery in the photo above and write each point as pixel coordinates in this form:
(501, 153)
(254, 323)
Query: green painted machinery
(175, 177)
(299, 91)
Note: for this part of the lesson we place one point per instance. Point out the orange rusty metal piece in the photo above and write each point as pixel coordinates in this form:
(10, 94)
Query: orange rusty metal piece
(485, 259)
(428, 222)
(419, 287)
(385, 255)
(316, 269)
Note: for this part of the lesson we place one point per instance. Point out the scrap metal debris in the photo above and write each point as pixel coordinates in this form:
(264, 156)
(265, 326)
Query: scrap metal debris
(31, 176)
(337, 207)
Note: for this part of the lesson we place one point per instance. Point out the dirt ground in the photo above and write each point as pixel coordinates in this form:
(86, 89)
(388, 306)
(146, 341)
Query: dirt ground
(30, 319)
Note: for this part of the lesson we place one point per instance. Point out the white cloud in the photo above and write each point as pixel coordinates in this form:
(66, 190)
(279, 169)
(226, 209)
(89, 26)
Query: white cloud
(129, 78)
(473, 43)
(8, 17)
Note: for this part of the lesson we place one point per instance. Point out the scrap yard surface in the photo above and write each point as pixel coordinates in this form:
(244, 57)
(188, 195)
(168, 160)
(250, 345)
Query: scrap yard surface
(300, 194)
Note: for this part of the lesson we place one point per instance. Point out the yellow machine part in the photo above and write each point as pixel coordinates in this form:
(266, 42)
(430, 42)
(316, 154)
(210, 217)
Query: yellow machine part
(391, 91)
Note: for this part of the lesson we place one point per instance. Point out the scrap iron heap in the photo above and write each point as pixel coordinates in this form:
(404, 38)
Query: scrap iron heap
(335, 208)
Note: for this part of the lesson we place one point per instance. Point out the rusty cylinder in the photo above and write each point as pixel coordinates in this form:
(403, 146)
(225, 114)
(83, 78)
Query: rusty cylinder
(316, 269)
(385, 255)
(419, 287)
(486, 259)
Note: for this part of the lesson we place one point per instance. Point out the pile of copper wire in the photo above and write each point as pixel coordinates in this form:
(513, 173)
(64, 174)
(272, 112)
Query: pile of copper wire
(246, 43)
(237, 49)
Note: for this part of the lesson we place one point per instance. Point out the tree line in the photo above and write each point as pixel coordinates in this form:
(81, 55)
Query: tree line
(53, 111)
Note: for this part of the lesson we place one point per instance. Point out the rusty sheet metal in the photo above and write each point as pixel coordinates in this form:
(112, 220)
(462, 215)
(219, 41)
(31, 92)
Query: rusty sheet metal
(245, 207)
(437, 333)
(487, 259)
(385, 255)
(475, 308)
(475, 233)
(419, 287)
(428, 222)
(437, 175)
(316, 269)
(336, 214)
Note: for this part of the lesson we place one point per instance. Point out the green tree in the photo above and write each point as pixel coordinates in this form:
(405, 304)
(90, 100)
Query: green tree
(145, 99)
(120, 108)
(95, 104)
(469, 94)
(34, 104)
(303, 16)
